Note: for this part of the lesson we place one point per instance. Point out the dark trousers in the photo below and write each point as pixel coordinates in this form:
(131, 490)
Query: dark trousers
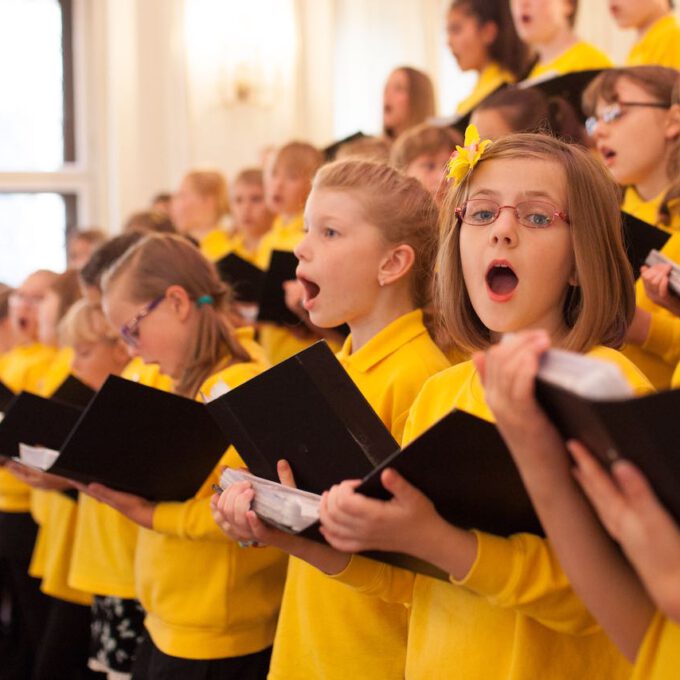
(65, 648)
(24, 606)
(152, 664)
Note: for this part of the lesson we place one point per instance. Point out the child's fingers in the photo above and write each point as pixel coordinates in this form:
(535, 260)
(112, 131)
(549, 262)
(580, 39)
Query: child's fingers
(346, 545)
(398, 486)
(285, 473)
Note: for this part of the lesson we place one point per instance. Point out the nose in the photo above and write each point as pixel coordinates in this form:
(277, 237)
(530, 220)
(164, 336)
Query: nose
(504, 231)
(302, 250)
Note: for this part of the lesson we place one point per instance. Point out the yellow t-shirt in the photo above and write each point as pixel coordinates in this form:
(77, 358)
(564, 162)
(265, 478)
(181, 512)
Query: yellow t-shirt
(102, 560)
(659, 655)
(44, 380)
(514, 616)
(490, 79)
(205, 597)
(216, 244)
(658, 356)
(326, 630)
(659, 46)
(280, 343)
(15, 372)
(581, 56)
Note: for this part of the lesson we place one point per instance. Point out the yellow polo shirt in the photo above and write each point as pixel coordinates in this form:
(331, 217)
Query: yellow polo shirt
(327, 630)
(659, 655)
(490, 79)
(659, 46)
(514, 616)
(581, 56)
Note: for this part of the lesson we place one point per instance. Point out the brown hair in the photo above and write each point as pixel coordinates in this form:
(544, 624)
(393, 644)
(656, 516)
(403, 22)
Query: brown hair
(600, 308)
(93, 236)
(422, 139)
(398, 206)
(210, 183)
(507, 49)
(159, 261)
(660, 82)
(530, 110)
(300, 157)
(149, 220)
(67, 288)
(85, 322)
(374, 149)
(107, 253)
(420, 97)
(5, 292)
(250, 176)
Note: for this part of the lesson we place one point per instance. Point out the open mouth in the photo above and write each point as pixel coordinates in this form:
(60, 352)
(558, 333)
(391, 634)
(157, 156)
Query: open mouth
(525, 19)
(607, 154)
(311, 291)
(501, 280)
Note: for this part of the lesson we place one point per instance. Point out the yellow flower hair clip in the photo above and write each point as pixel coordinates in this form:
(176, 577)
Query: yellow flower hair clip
(465, 158)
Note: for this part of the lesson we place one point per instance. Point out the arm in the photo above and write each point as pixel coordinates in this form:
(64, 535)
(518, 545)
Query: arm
(632, 514)
(656, 280)
(599, 574)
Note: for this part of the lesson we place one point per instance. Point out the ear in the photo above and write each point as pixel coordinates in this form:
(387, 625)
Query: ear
(396, 264)
(488, 33)
(179, 302)
(672, 128)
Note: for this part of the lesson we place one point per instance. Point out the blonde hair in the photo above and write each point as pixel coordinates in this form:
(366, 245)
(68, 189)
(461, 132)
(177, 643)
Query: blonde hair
(159, 261)
(599, 309)
(66, 287)
(85, 322)
(660, 82)
(300, 157)
(250, 176)
(420, 140)
(420, 97)
(398, 206)
(210, 183)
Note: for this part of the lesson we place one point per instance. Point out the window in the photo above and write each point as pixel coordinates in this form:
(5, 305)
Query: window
(41, 174)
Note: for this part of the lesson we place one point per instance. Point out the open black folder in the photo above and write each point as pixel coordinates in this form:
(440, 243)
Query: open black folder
(282, 266)
(308, 410)
(6, 395)
(643, 430)
(245, 279)
(141, 440)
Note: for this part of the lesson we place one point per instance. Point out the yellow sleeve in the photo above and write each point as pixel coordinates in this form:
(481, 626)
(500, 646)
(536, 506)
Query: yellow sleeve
(659, 654)
(663, 339)
(369, 577)
(191, 519)
(523, 573)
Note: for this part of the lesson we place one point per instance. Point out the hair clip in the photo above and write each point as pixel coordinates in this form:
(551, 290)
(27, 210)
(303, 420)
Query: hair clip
(464, 158)
(205, 300)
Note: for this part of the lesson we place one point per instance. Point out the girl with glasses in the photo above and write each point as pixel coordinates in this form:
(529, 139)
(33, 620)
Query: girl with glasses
(211, 607)
(530, 239)
(636, 129)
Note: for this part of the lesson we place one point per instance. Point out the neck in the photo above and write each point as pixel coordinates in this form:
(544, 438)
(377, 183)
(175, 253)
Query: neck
(201, 232)
(653, 184)
(562, 40)
(383, 313)
(653, 17)
(483, 66)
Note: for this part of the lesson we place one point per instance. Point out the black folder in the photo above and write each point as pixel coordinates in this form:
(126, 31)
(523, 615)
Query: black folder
(273, 307)
(639, 238)
(35, 420)
(73, 391)
(6, 395)
(245, 279)
(569, 86)
(309, 411)
(643, 430)
(141, 440)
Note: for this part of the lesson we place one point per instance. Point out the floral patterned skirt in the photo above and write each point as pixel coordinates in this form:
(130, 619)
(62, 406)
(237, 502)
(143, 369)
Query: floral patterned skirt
(117, 630)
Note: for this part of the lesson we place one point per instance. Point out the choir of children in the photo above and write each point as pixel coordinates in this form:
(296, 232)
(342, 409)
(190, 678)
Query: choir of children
(418, 241)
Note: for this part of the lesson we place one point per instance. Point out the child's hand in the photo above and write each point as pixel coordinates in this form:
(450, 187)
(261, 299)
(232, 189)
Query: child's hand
(633, 515)
(229, 511)
(656, 281)
(37, 478)
(352, 522)
(294, 293)
(138, 509)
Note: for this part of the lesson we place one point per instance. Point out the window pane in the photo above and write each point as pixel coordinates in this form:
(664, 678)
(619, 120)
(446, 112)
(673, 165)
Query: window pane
(31, 85)
(32, 234)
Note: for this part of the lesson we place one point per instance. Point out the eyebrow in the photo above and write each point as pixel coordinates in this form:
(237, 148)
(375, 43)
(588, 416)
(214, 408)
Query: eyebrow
(524, 194)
